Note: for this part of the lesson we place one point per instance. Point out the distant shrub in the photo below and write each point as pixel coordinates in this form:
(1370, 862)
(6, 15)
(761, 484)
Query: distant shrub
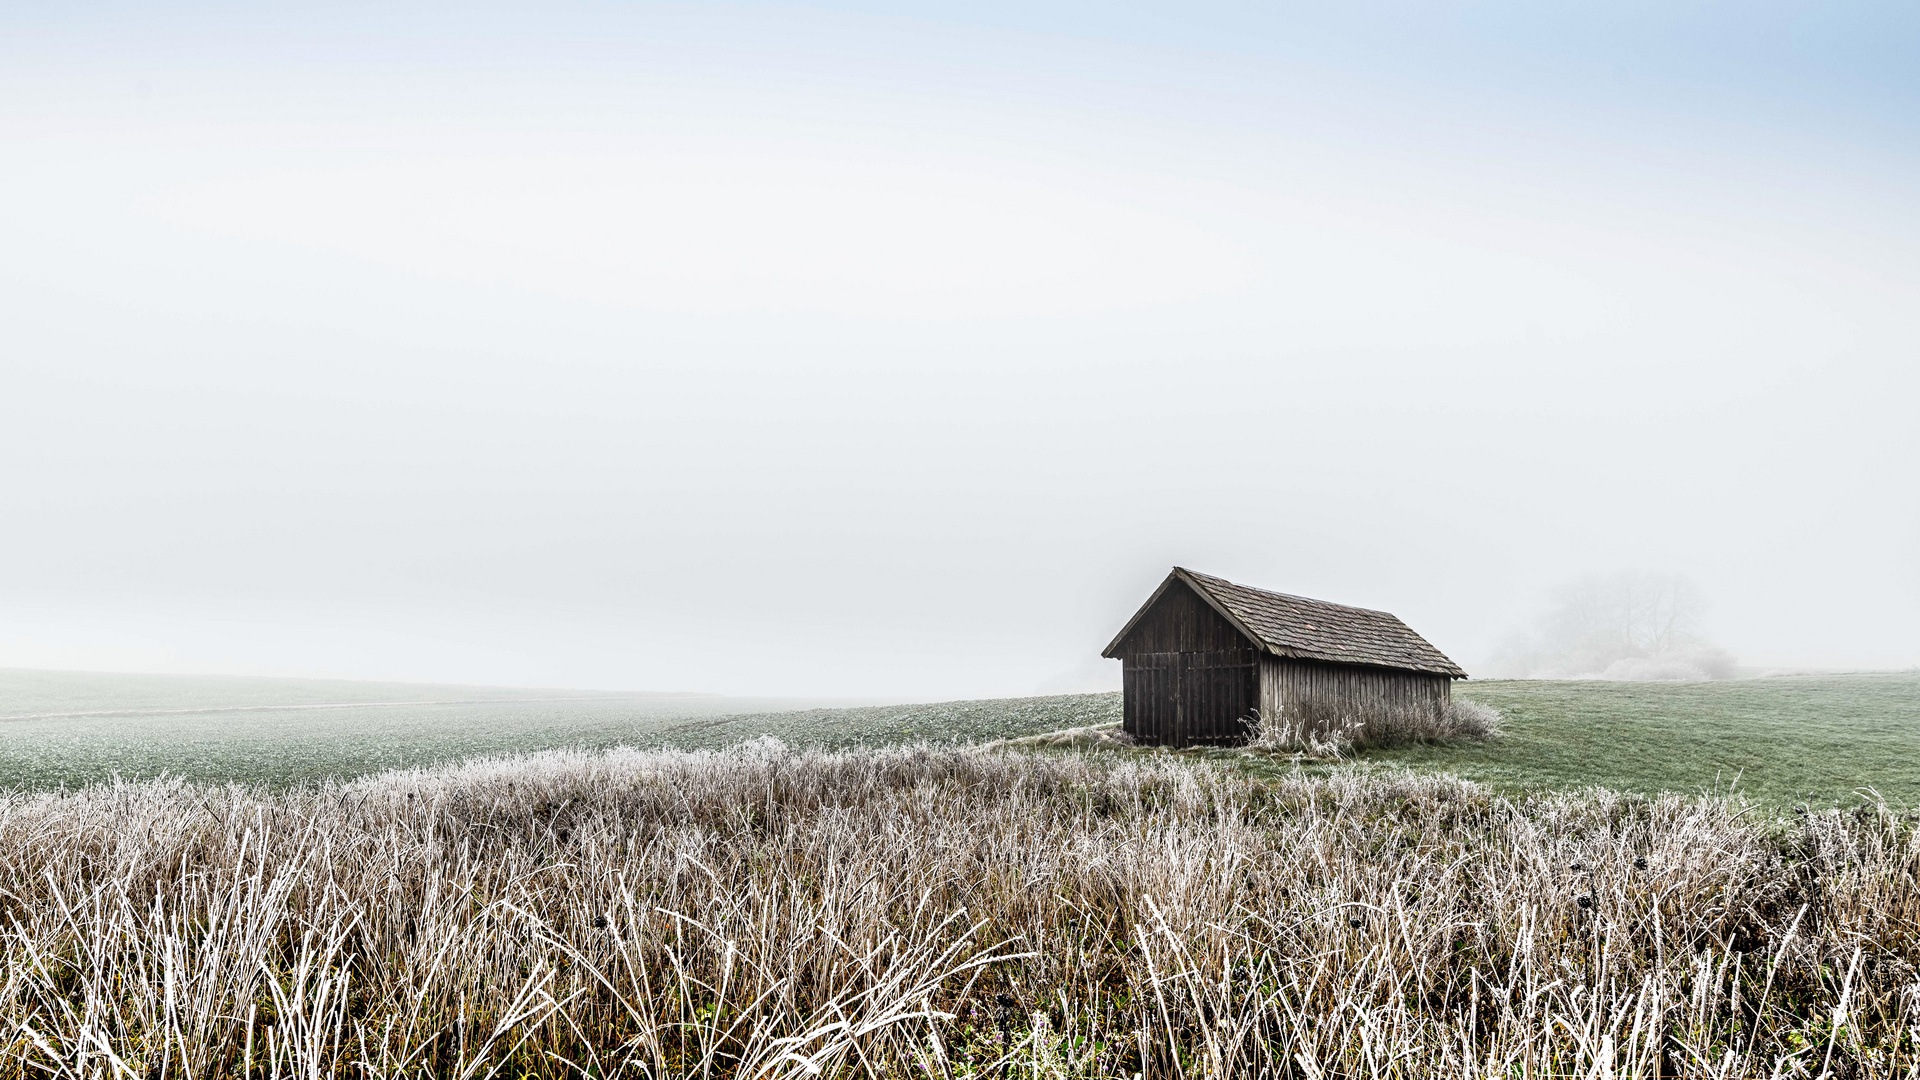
(1690, 664)
(1629, 627)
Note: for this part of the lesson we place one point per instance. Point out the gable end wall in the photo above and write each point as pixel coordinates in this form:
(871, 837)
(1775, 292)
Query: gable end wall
(1189, 675)
(1180, 621)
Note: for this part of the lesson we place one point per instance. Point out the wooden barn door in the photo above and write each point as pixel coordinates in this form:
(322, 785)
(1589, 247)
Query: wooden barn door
(1152, 696)
(1217, 692)
(1180, 698)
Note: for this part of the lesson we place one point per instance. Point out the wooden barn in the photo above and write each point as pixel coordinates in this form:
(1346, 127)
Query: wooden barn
(1204, 658)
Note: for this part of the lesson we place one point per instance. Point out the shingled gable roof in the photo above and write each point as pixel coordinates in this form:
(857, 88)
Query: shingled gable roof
(1303, 629)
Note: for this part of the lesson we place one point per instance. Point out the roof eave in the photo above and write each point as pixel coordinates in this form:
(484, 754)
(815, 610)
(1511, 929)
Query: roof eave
(1113, 645)
(1452, 671)
(1224, 612)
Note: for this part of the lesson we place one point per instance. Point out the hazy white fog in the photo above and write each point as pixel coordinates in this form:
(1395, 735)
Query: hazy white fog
(1634, 626)
(898, 352)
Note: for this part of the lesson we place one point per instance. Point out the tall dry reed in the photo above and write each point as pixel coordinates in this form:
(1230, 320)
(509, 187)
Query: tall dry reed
(777, 913)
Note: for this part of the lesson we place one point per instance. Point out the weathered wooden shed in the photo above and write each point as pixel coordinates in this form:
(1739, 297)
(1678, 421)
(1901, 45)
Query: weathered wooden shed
(1203, 659)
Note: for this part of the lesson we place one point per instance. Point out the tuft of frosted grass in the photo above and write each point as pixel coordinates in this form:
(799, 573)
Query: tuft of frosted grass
(1328, 730)
(779, 912)
(1470, 720)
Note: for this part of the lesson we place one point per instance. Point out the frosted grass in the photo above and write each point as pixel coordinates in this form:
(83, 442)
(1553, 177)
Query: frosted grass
(773, 912)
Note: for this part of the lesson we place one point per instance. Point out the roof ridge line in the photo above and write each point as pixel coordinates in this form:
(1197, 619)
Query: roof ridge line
(1290, 596)
(1273, 622)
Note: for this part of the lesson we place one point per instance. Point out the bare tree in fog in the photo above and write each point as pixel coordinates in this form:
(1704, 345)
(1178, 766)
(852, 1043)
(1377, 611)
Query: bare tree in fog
(1634, 625)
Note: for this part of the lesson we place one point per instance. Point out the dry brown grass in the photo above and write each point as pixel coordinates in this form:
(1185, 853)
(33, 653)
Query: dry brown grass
(1328, 729)
(768, 912)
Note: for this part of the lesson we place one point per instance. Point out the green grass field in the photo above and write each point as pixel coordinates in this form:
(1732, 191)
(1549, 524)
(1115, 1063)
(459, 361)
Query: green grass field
(69, 728)
(1785, 740)
(1780, 740)
(1816, 740)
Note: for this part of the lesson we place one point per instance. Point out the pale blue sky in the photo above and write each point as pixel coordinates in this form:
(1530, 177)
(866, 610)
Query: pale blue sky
(901, 348)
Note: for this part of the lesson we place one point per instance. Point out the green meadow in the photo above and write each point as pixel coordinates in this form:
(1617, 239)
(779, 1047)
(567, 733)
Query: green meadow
(1819, 740)
(68, 729)
(1791, 739)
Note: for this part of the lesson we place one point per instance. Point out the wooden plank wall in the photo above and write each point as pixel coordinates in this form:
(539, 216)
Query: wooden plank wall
(1150, 701)
(1189, 675)
(1219, 692)
(1182, 622)
(1184, 698)
(1290, 685)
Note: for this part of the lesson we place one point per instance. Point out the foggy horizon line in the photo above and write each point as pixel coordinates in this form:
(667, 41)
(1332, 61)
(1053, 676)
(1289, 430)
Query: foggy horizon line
(580, 693)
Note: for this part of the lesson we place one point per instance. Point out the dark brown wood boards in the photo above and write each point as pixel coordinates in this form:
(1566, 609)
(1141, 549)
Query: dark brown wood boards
(1189, 676)
(1183, 698)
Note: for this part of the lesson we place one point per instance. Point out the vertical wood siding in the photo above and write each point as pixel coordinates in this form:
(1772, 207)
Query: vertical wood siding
(1183, 698)
(1291, 686)
(1180, 621)
(1188, 675)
